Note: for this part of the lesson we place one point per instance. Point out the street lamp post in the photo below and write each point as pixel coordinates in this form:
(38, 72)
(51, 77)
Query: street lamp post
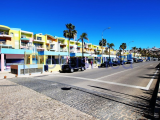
(102, 41)
(128, 45)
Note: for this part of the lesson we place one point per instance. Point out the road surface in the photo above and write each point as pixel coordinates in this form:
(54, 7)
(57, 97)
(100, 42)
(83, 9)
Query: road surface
(119, 92)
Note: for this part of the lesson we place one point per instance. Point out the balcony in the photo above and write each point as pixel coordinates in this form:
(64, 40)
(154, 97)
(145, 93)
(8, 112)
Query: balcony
(72, 50)
(24, 46)
(88, 52)
(4, 45)
(92, 52)
(63, 50)
(78, 46)
(51, 42)
(52, 48)
(41, 41)
(5, 35)
(62, 43)
(26, 39)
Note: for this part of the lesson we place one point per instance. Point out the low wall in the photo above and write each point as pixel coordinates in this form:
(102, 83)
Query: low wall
(27, 69)
(55, 67)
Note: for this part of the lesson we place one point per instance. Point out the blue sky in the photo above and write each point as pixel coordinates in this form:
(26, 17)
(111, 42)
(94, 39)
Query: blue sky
(130, 20)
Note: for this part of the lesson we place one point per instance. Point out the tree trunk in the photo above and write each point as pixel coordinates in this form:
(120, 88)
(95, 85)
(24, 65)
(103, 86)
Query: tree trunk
(82, 48)
(109, 54)
(69, 48)
(120, 56)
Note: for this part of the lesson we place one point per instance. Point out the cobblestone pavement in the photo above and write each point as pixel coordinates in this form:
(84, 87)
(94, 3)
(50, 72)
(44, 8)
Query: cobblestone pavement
(101, 106)
(21, 103)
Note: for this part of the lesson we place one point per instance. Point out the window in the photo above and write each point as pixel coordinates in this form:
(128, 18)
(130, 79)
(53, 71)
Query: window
(39, 38)
(23, 36)
(12, 34)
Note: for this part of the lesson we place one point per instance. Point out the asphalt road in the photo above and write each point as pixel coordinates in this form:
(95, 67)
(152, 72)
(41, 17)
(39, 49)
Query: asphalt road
(106, 93)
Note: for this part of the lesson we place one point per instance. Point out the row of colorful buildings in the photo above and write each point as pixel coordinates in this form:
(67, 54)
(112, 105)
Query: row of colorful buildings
(19, 48)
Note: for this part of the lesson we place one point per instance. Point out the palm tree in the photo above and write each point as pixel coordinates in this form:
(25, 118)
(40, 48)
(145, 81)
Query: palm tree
(123, 46)
(82, 38)
(134, 48)
(70, 34)
(106, 51)
(102, 43)
(120, 50)
(139, 50)
(110, 46)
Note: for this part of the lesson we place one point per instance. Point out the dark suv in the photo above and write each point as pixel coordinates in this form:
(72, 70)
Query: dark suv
(74, 64)
(116, 63)
(106, 64)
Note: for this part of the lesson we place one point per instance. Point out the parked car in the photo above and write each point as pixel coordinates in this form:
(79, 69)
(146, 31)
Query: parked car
(106, 64)
(123, 62)
(74, 64)
(116, 63)
(135, 60)
(140, 60)
(147, 60)
(130, 61)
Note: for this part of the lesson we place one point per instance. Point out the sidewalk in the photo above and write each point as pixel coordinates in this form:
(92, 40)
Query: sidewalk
(19, 102)
(10, 75)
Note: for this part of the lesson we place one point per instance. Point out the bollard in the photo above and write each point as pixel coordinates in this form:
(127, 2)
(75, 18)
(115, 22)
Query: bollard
(51, 71)
(5, 77)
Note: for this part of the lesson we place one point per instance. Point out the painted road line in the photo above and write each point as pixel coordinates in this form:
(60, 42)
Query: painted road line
(97, 80)
(121, 71)
(117, 72)
(150, 82)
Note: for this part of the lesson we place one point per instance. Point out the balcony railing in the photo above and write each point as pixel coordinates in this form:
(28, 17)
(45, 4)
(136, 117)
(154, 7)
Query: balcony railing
(5, 34)
(52, 48)
(39, 46)
(72, 50)
(38, 40)
(4, 45)
(78, 51)
(63, 50)
(25, 39)
(62, 43)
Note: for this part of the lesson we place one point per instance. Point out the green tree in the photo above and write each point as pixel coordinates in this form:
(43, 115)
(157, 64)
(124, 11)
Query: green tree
(70, 34)
(110, 46)
(83, 37)
(120, 50)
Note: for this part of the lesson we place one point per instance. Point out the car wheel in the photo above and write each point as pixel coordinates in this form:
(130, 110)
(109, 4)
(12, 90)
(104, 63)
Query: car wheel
(71, 70)
(82, 68)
